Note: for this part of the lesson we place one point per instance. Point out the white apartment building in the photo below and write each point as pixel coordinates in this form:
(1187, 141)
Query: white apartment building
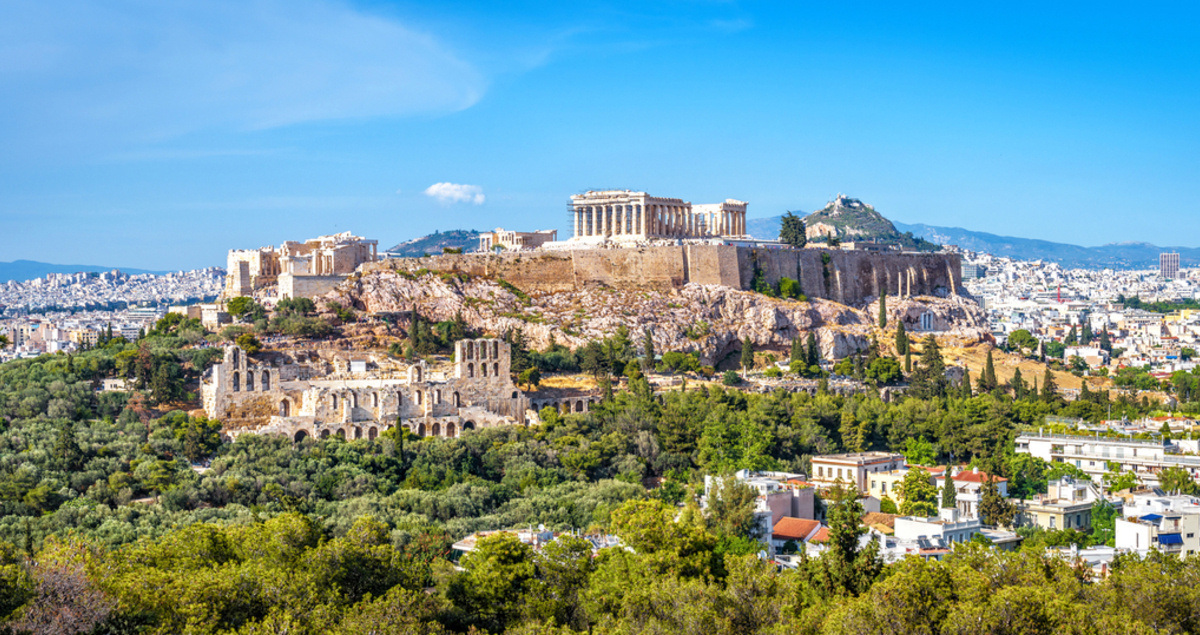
(1093, 455)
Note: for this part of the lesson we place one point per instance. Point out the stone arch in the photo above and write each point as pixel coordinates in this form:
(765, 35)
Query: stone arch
(437, 397)
(249, 381)
(374, 400)
(579, 406)
(495, 349)
(496, 369)
(417, 372)
(450, 431)
(324, 434)
(470, 370)
(420, 429)
(457, 400)
(436, 429)
(341, 432)
(470, 425)
(515, 394)
(470, 350)
(357, 432)
(237, 382)
(333, 400)
(353, 400)
(285, 408)
(265, 381)
(483, 369)
(299, 436)
(372, 432)
(483, 350)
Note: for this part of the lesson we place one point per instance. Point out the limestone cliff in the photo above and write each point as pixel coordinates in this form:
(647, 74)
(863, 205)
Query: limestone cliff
(709, 319)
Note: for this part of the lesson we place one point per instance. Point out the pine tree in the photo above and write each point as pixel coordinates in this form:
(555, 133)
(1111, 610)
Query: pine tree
(949, 493)
(1086, 337)
(901, 339)
(798, 352)
(965, 386)
(929, 378)
(882, 311)
(1105, 342)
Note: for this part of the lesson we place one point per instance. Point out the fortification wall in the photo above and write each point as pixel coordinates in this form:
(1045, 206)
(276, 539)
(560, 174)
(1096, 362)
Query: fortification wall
(849, 277)
(307, 286)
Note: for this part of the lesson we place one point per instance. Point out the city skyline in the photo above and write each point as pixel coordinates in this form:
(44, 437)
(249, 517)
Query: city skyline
(159, 137)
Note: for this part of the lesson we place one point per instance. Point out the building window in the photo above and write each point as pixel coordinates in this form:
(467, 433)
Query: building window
(1052, 522)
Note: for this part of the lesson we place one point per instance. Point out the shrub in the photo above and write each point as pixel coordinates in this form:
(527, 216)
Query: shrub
(731, 378)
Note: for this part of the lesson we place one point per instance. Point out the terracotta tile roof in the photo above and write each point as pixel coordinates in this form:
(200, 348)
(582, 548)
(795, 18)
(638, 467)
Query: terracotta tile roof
(822, 535)
(976, 477)
(789, 528)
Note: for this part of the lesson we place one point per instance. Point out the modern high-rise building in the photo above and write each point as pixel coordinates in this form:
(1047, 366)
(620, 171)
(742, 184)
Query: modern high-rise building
(1168, 265)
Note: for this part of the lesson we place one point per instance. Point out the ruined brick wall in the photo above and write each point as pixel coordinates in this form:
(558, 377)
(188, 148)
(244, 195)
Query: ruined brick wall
(850, 277)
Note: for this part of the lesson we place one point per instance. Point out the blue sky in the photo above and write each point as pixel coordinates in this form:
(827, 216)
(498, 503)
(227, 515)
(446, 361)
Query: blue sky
(154, 134)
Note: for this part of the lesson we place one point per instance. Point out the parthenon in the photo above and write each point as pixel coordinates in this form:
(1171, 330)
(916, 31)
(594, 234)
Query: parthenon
(628, 216)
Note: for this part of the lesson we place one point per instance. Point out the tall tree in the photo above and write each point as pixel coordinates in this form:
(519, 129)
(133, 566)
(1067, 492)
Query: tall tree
(929, 379)
(792, 231)
(798, 352)
(1049, 387)
(901, 339)
(849, 568)
(647, 351)
(1072, 337)
(920, 496)
(814, 351)
(994, 509)
(987, 379)
(1017, 383)
(747, 355)
(949, 492)
(882, 310)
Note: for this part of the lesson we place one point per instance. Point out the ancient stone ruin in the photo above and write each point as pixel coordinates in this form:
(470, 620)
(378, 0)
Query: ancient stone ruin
(307, 394)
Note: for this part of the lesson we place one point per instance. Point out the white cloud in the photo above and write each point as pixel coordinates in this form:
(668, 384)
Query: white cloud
(447, 193)
(123, 72)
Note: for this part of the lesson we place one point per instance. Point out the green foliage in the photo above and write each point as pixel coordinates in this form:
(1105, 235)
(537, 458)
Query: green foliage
(790, 289)
(949, 492)
(792, 231)
(247, 342)
(918, 451)
(884, 371)
(345, 314)
(731, 378)
(920, 496)
(511, 288)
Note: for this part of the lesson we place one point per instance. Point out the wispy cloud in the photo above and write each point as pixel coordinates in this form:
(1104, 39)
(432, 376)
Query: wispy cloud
(141, 71)
(448, 193)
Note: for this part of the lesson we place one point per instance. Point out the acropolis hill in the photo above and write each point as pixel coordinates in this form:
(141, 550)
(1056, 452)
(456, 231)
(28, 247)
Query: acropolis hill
(847, 277)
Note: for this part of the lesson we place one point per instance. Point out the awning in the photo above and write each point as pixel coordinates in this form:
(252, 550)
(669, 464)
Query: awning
(1170, 539)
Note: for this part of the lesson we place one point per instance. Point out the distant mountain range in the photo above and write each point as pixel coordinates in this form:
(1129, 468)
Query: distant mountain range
(465, 239)
(21, 270)
(1116, 256)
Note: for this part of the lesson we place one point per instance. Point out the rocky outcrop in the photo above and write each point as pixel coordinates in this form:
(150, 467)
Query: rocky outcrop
(712, 320)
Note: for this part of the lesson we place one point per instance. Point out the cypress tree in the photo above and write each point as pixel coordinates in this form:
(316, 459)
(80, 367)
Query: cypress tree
(798, 352)
(908, 362)
(747, 355)
(1018, 385)
(814, 352)
(1049, 388)
(987, 379)
(949, 493)
(882, 311)
(1072, 337)
(901, 339)
(647, 351)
